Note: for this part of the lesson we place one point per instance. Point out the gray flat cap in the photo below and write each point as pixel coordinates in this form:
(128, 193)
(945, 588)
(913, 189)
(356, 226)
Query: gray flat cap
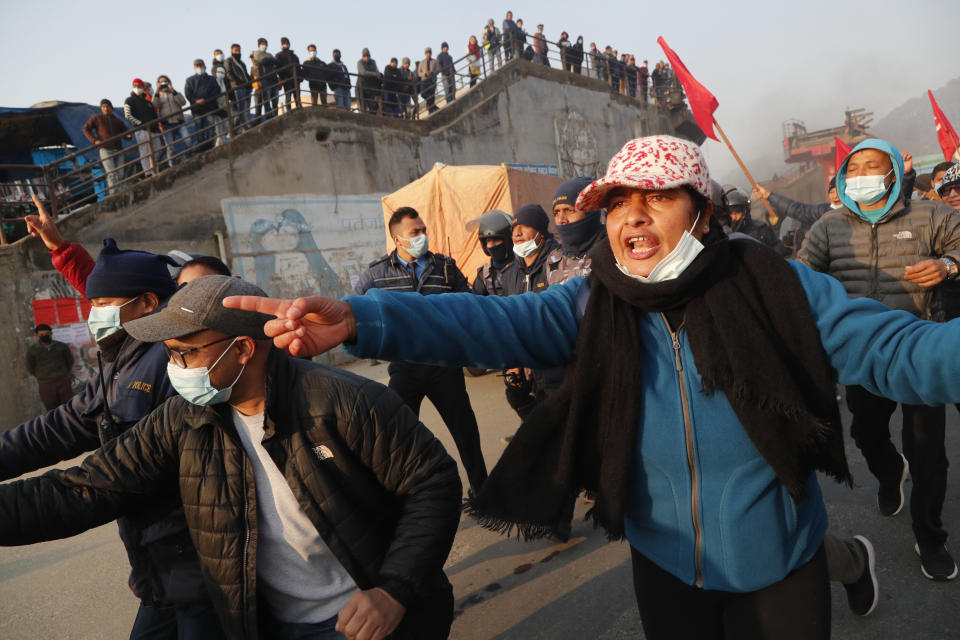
(198, 306)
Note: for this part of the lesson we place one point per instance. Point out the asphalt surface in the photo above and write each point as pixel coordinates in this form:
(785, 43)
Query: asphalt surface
(506, 589)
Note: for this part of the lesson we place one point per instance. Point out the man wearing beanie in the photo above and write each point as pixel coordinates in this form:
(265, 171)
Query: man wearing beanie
(578, 231)
(317, 500)
(122, 286)
(532, 245)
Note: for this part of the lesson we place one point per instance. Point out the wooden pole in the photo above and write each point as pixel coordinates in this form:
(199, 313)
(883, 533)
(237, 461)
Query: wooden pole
(753, 183)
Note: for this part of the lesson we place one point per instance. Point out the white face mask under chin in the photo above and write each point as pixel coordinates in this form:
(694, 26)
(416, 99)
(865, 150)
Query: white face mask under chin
(675, 262)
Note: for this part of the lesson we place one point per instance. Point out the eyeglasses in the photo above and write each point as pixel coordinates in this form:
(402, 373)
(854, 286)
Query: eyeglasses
(179, 358)
(946, 191)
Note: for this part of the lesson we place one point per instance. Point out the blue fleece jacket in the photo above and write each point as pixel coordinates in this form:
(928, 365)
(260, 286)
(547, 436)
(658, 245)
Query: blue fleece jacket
(752, 533)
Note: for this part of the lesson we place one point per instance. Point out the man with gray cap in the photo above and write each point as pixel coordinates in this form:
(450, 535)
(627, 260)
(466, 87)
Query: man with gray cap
(316, 499)
(427, 73)
(368, 82)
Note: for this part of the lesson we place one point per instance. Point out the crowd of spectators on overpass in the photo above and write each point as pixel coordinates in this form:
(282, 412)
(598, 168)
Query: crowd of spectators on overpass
(238, 91)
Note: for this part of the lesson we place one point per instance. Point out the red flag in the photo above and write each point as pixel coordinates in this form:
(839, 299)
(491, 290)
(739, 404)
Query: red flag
(702, 102)
(946, 136)
(840, 152)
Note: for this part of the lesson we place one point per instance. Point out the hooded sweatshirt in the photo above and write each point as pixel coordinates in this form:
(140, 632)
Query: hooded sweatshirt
(869, 257)
(893, 193)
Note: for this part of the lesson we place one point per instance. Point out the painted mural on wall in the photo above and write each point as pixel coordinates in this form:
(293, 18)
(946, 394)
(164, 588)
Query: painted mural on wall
(304, 244)
(577, 149)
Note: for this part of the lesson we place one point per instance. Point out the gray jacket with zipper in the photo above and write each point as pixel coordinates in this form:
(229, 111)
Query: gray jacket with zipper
(869, 259)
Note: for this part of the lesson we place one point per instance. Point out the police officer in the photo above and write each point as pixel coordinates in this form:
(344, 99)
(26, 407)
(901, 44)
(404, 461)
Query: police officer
(738, 206)
(578, 232)
(494, 232)
(121, 286)
(413, 267)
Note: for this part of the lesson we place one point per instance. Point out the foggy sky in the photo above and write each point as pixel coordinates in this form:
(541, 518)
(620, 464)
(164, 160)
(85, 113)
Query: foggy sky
(765, 62)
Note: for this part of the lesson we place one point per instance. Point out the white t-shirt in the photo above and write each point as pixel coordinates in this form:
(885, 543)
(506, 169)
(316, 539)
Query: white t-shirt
(297, 574)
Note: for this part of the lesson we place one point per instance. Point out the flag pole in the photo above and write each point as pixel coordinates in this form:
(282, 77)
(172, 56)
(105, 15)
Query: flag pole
(774, 217)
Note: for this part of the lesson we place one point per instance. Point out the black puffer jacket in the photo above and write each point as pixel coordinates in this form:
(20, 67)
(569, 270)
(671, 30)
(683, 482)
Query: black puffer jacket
(869, 259)
(164, 566)
(379, 488)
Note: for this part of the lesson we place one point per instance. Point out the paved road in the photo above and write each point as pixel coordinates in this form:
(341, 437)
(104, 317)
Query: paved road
(505, 589)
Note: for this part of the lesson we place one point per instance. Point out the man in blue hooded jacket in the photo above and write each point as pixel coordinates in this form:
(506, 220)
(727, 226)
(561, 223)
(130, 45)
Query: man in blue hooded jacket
(895, 251)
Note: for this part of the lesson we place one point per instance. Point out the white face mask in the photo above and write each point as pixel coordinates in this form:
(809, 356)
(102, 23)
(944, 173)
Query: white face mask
(311, 54)
(418, 245)
(526, 249)
(675, 262)
(138, 91)
(867, 189)
(219, 57)
(105, 321)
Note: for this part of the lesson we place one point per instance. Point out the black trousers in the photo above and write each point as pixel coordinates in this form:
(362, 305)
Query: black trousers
(923, 446)
(445, 388)
(797, 607)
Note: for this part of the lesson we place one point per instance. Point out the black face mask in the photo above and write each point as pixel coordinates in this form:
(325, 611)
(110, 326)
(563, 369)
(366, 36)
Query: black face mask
(576, 238)
(336, 57)
(501, 254)
(45, 339)
(236, 56)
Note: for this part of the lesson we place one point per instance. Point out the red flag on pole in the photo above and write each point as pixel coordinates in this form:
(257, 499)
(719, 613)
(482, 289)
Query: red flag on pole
(702, 102)
(946, 136)
(840, 152)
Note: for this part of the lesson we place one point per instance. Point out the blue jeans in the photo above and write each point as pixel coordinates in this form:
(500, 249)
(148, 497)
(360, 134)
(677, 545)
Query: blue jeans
(241, 108)
(203, 133)
(272, 629)
(342, 97)
(185, 622)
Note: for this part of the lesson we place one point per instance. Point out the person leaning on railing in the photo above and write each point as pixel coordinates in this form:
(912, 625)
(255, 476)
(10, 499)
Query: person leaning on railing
(427, 73)
(409, 88)
(339, 81)
(475, 54)
(392, 86)
(103, 130)
(315, 73)
(201, 90)
(240, 81)
(491, 43)
(169, 104)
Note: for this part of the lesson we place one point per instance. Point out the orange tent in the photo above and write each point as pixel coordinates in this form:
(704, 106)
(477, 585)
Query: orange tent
(448, 197)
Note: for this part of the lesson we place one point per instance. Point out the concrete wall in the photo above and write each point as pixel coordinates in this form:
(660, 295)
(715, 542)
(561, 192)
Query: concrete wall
(326, 162)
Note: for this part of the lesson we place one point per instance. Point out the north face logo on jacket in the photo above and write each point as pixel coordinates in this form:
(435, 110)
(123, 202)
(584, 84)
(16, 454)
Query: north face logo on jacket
(322, 452)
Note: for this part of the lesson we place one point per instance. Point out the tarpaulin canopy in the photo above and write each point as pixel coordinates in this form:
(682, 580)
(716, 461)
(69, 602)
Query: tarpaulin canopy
(448, 197)
(23, 130)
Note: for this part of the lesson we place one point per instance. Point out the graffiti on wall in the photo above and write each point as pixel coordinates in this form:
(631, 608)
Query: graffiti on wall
(304, 245)
(577, 150)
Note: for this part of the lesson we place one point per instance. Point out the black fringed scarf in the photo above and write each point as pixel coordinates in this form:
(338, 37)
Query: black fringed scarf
(753, 338)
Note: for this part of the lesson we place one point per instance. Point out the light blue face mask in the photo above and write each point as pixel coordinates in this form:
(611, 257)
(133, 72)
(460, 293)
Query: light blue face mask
(675, 262)
(193, 383)
(418, 245)
(105, 321)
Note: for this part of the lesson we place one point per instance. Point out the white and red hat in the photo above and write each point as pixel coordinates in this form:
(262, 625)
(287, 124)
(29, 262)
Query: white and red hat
(652, 163)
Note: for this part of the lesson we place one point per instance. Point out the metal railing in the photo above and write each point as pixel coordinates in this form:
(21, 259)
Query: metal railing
(108, 167)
